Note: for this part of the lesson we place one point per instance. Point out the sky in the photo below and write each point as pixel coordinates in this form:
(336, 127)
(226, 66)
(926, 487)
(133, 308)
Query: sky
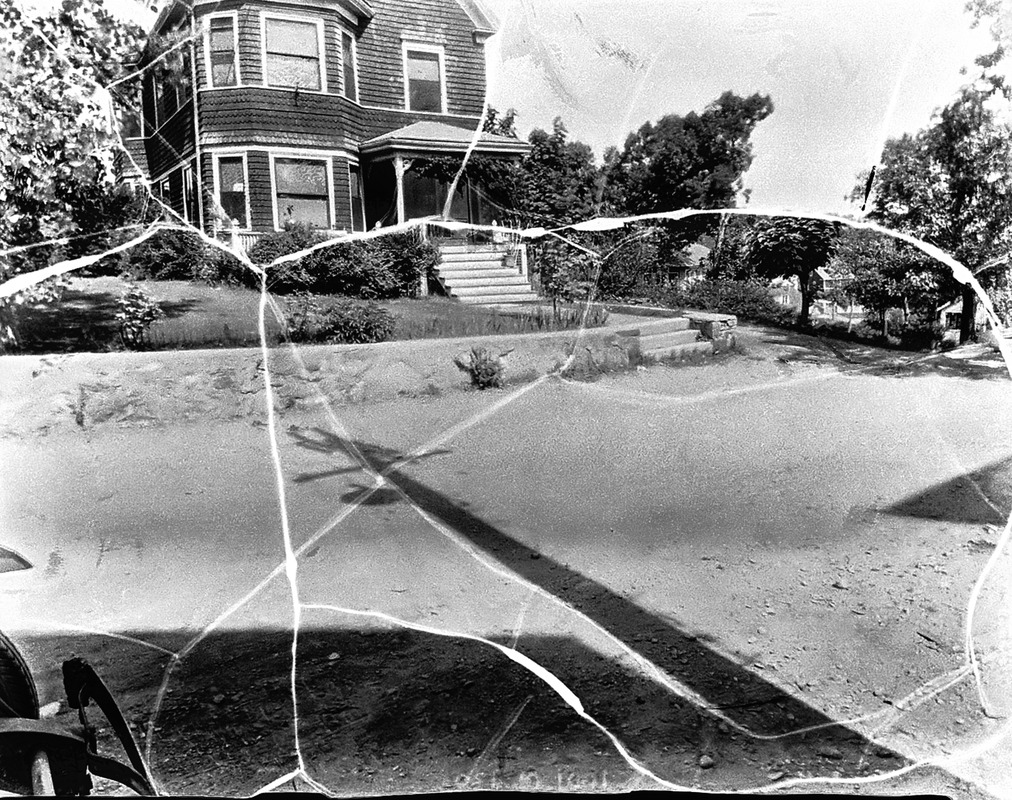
(843, 75)
(832, 69)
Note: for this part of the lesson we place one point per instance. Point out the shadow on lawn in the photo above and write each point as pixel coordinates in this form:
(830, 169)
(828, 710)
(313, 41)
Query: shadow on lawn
(720, 684)
(83, 321)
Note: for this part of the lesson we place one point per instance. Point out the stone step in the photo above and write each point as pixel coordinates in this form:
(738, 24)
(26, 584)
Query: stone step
(468, 274)
(472, 291)
(488, 280)
(661, 340)
(650, 327)
(470, 247)
(472, 255)
(500, 299)
(682, 351)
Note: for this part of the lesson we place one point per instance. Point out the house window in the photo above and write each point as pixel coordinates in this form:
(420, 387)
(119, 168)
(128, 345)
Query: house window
(952, 321)
(292, 54)
(424, 80)
(221, 47)
(166, 100)
(348, 62)
(357, 201)
(302, 192)
(232, 189)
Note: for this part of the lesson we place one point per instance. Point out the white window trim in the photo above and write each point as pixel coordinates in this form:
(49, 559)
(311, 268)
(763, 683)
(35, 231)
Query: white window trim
(320, 45)
(215, 158)
(361, 197)
(306, 155)
(438, 49)
(234, 16)
(354, 64)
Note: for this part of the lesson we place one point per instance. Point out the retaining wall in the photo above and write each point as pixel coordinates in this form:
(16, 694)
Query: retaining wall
(42, 393)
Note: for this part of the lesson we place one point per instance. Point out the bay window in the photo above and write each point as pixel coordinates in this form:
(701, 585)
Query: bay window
(292, 53)
(302, 191)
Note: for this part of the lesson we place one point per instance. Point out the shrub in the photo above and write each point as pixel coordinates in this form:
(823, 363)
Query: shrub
(485, 370)
(409, 258)
(168, 255)
(295, 236)
(358, 269)
(346, 321)
(746, 299)
(391, 266)
(179, 255)
(920, 332)
(137, 311)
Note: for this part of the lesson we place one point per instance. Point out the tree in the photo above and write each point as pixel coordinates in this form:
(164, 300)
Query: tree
(950, 183)
(695, 161)
(558, 181)
(57, 130)
(784, 247)
(882, 273)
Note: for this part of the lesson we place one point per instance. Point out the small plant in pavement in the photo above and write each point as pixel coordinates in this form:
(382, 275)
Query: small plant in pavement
(485, 369)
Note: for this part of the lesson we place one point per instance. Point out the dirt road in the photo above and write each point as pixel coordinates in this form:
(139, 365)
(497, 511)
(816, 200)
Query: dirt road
(710, 559)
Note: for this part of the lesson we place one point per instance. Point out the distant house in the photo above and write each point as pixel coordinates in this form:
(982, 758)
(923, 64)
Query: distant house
(692, 268)
(825, 281)
(950, 315)
(314, 111)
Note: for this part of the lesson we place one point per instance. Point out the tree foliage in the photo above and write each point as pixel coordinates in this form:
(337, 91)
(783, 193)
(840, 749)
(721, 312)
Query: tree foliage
(57, 129)
(691, 161)
(784, 247)
(951, 183)
(882, 273)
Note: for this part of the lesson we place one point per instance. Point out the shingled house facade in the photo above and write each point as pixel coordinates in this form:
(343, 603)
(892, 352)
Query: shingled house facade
(315, 111)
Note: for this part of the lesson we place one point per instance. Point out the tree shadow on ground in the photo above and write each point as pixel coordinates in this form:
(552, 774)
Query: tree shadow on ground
(962, 499)
(717, 684)
(873, 359)
(429, 711)
(82, 321)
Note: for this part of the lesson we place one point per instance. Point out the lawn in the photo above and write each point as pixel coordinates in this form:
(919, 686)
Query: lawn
(202, 316)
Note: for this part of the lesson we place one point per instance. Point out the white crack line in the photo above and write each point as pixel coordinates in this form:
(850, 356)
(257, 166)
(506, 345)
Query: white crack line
(518, 625)
(290, 778)
(648, 667)
(921, 695)
(968, 647)
(291, 562)
(540, 672)
(969, 650)
(571, 699)
(702, 397)
(66, 626)
(499, 736)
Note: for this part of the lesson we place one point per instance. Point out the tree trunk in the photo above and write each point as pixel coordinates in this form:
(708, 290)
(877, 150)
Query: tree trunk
(806, 298)
(966, 318)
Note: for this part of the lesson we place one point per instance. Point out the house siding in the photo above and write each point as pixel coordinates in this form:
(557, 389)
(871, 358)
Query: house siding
(342, 195)
(436, 22)
(172, 142)
(256, 119)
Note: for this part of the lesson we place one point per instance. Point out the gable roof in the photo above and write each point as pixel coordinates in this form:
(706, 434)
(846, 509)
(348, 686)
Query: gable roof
(483, 19)
(429, 137)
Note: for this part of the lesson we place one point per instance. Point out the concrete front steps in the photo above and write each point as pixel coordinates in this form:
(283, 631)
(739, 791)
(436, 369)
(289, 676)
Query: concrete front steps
(698, 334)
(479, 275)
(671, 338)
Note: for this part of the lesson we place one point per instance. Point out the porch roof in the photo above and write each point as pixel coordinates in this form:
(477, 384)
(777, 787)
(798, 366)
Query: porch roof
(437, 138)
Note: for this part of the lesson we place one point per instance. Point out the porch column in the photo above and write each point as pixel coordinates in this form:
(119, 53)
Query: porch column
(399, 169)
